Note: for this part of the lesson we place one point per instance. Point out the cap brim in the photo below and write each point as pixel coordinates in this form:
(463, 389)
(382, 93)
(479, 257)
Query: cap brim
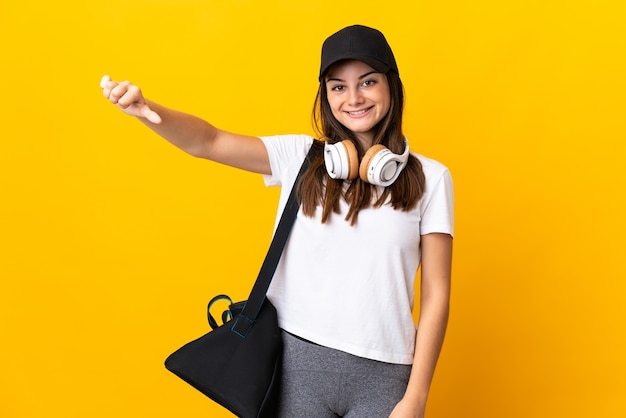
(374, 63)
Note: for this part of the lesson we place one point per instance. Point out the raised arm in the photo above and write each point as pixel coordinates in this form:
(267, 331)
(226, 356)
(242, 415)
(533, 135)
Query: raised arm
(191, 134)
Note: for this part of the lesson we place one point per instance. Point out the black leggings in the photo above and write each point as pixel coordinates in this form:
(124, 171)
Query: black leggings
(319, 382)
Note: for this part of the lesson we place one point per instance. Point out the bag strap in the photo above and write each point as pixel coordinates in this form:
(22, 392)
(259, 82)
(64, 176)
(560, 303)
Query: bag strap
(243, 323)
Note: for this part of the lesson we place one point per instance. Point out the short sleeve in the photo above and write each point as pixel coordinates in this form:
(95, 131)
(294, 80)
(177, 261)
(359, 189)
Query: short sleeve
(286, 153)
(437, 206)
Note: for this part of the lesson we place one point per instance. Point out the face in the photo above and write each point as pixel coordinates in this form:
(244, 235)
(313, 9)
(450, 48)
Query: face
(358, 97)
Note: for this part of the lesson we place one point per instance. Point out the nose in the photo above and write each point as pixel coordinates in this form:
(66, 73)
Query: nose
(355, 96)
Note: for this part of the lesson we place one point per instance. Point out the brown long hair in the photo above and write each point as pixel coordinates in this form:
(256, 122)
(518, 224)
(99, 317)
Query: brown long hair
(317, 188)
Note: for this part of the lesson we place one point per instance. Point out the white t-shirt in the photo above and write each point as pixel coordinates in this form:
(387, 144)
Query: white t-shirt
(351, 288)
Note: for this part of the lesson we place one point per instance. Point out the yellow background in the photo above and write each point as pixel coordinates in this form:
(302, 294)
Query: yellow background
(112, 241)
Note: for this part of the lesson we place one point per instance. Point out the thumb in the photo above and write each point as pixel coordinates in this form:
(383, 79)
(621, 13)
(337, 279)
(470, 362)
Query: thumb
(150, 114)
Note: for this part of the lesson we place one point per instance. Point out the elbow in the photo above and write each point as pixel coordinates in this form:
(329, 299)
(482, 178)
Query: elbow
(197, 152)
(436, 300)
(200, 146)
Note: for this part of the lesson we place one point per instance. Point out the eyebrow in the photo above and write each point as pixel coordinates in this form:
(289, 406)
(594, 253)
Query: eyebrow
(360, 77)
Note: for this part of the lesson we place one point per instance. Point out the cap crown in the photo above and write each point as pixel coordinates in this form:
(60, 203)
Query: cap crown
(360, 43)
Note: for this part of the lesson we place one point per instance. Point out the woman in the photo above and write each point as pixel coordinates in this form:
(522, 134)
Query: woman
(372, 211)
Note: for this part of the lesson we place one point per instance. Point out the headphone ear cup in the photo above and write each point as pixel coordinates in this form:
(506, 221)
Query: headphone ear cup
(341, 160)
(353, 159)
(366, 169)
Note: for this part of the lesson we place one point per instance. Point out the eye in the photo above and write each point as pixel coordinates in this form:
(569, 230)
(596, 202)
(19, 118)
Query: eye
(337, 87)
(368, 83)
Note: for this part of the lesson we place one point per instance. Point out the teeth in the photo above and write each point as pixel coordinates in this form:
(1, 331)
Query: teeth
(360, 112)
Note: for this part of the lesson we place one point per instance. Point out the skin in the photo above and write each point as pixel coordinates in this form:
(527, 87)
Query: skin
(359, 99)
(434, 310)
(187, 132)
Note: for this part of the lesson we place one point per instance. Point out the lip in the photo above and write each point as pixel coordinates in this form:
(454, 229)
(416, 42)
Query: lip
(360, 113)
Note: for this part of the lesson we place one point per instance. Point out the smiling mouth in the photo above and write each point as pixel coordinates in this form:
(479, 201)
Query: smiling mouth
(359, 112)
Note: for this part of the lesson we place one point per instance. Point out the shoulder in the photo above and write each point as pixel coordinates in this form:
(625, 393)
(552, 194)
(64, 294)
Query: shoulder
(286, 153)
(439, 184)
(287, 143)
(437, 204)
(433, 169)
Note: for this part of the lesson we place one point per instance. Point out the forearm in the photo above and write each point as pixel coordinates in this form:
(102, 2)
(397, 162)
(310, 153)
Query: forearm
(433, 319)
(432, 325)
(187, 132)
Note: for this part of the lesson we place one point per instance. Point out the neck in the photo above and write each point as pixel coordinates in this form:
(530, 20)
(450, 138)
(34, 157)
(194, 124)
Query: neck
(365, 140)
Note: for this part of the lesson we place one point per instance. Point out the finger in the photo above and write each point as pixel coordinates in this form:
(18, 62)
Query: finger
(103, 82)
(150, 114)
(122, 93)
(107, 87)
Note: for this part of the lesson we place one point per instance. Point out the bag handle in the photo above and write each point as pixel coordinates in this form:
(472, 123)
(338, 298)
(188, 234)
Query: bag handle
(225, 316)
(243, 323)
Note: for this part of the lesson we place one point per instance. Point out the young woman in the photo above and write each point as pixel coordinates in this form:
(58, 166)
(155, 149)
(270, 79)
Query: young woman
(372, 212)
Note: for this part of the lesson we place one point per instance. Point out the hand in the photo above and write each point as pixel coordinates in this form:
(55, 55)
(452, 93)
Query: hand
(128, 98)
(405, 409)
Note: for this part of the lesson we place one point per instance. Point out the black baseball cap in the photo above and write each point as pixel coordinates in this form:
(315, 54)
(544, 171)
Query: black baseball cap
(360, 43)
